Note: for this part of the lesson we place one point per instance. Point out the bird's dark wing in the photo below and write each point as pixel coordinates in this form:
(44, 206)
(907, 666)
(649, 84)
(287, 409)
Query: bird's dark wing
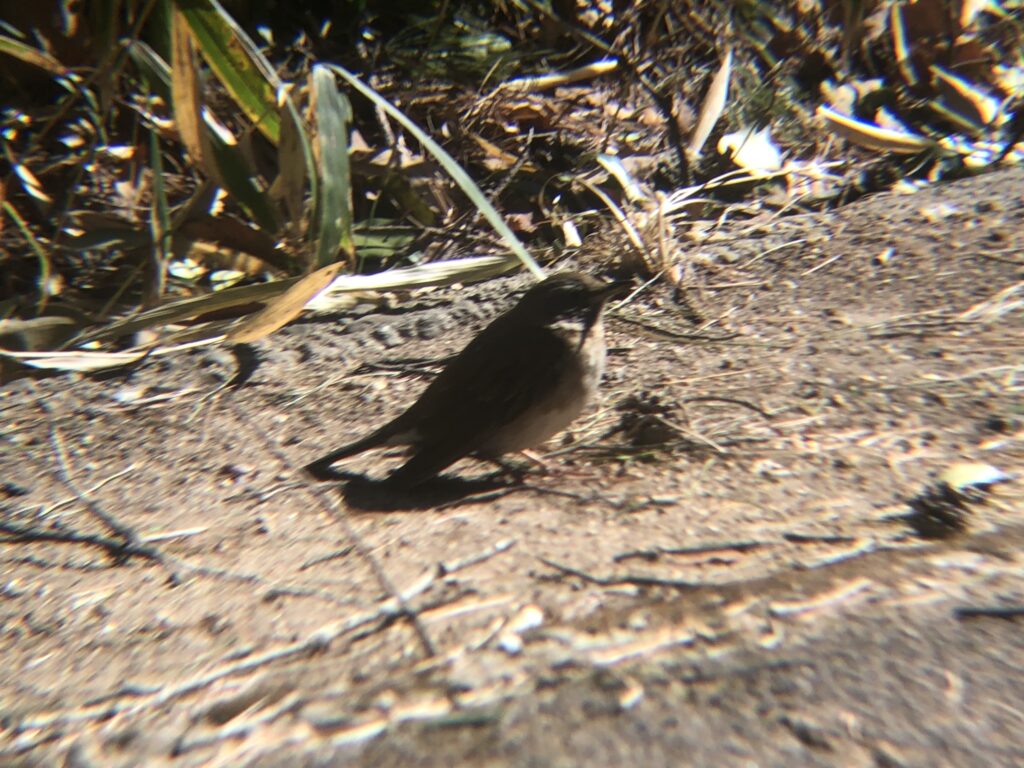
(492, 382)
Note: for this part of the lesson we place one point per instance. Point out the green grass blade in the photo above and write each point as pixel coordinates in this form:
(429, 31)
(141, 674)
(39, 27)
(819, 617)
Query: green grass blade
(30, 55)
(334, 206)
(451, 166)
(237, 62)
(238, 181)
(160, 223)
(45, 267)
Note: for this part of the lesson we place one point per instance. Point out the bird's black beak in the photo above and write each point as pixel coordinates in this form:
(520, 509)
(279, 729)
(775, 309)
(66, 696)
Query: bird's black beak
(613, 290)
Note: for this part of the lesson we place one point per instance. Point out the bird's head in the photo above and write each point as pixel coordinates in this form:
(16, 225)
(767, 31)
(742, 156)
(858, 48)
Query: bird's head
(568, 297)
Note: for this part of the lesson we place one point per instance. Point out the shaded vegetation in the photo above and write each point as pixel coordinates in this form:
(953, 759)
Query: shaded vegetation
(157, 150)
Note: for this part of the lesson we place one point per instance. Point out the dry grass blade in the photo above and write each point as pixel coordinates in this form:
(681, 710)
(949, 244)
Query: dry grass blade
(29, 182)
(257, 89)
(618, 171)
(38, 333)
(188, 309)
(556, 79)
(900, 45)
(637, 260)
(290, 184)
(465, 270)
(160, 225)
(1009, 299)
(45, 269)
(186, 96)
(977, 108)
(713, 106)
(74, 361)
(872, 136)
(285, 307)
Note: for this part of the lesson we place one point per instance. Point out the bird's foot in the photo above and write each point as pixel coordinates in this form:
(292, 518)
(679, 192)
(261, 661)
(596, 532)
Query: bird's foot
(323, 472)
(538, 462)
(518, 471)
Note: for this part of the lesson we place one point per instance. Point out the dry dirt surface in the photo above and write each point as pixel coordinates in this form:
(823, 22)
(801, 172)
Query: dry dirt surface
(714, 568)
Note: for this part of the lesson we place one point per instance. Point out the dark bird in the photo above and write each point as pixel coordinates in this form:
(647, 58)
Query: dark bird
(524, 378)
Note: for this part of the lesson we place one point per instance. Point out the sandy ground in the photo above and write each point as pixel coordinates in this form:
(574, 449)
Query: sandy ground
(714, 569)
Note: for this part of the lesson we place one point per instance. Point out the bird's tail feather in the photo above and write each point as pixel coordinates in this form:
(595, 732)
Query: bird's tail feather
(389, 434)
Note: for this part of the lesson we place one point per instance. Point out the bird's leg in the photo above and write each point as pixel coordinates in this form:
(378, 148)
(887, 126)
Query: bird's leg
(537, 460)
(518, 470)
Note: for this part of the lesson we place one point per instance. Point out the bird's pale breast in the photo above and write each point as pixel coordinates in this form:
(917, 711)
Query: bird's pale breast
(568, 397)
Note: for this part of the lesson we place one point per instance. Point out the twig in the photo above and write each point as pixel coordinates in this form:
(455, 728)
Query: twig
(335, 554)
(616, 308)
(132, 544)
(995, 612)
(47, 511)
(179, 534)
(921, 330)
(236, 730)
(614, 581)
(823, 264)
(859, 548)
(690, 434)
(64, 474)
(821, 600)
(806, 538)
(734, 401)
(118, 550)
(331, 509)
(317, 641)
(452, 566)
(681, 336)
(620, 216)
(704, 549)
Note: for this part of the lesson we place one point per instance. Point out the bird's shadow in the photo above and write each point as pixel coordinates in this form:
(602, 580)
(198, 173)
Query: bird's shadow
(365, 494)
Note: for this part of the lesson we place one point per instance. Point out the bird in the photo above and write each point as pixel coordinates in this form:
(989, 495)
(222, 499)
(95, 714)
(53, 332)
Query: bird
(520, 381)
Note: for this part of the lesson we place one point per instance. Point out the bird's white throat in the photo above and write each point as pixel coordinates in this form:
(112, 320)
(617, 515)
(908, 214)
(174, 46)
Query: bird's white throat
(571, 329)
